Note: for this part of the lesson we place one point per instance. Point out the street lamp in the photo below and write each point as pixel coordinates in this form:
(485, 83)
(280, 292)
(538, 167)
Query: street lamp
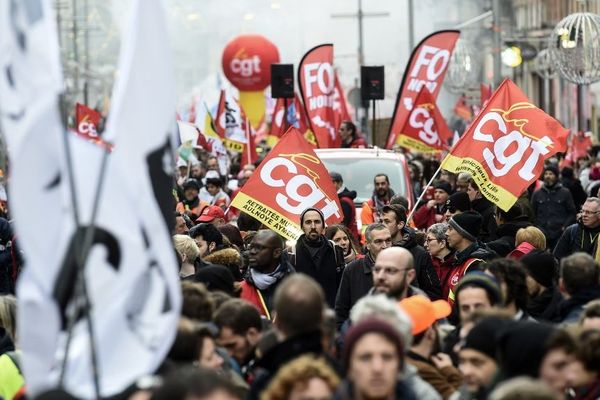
(576, 49)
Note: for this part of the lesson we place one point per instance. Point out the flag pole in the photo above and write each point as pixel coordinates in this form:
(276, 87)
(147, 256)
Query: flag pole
(423, 193)
(248, 141)
(81, 293)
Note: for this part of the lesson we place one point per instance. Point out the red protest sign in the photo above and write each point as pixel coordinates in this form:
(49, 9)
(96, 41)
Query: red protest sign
(288, 181)
(87, 121)
(425, 129)
(318, 89)
(426, 68)
(505, 147)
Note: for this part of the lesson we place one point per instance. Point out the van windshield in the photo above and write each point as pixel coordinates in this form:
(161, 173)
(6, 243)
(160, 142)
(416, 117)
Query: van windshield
(358, 174)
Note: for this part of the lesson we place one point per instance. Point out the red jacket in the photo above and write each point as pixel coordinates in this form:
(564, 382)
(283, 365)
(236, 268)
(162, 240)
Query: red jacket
(443, 268)
(425, 217)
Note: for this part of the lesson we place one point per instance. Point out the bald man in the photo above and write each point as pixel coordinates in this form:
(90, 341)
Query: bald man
(393, 273)
(268, 265)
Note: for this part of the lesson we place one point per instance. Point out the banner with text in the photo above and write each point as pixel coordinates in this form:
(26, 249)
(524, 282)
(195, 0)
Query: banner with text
(320, 95)
(506, 145)
(425, 129)
(289, 180)
(426, 68)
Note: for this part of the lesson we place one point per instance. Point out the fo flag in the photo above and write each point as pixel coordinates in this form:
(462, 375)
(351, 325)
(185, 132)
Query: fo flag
(426, 68)
(506, 145)
(289, 180)
(425, 129)
(321, 98)
(87, 121)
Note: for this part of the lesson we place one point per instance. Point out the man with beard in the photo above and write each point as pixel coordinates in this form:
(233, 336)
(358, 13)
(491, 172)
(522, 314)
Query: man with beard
(553, 207)
(393, 273)
(347, 202)
(357, 278)
(318, 257)
(268, 266)
(191, 203)
(582, 236)
(394, 218)
(381, 197)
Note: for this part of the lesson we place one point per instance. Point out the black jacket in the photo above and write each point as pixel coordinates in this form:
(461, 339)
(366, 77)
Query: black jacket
(554, 210)
(569, 310)
(487, 210)
(577, 192)
(577, 238)
(282, 353)
(357, 280)
(506, 233)
(544, 307)
(323, 261)
(427, 279)
(8, 258)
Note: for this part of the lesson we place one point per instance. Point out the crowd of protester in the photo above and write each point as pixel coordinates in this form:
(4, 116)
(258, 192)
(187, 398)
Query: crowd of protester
(462, 301)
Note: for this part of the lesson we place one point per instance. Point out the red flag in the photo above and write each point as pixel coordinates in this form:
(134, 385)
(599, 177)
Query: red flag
(288, 181)
(486, 93)
(87, 121)
(505, 147)
(249, 155)
(220, 118)
(580, 144)
(317, 86)
(462, 109)
(295, 117)
(340, 108)
(426, 68)
(425, 129)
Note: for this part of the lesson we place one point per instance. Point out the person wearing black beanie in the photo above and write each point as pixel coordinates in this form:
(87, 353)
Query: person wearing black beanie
(486, 209)
(553, 207)
(477, 357)
(457, 203)
(542, 274)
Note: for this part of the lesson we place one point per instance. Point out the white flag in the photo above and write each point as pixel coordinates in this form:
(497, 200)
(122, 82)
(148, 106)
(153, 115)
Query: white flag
(30, 84)
(131, 271)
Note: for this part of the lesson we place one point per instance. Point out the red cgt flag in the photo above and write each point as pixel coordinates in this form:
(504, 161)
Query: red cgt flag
(425, 129)
(426, 68)
(288, 181)
(87, 121)
(505, 147)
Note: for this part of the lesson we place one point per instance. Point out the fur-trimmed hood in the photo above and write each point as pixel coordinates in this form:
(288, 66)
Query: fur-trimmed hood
(225, 257)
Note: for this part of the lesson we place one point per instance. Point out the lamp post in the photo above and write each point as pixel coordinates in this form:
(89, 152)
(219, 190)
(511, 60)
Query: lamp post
(576, 50)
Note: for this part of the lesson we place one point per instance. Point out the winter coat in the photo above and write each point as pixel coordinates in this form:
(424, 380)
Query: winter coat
(230, 258)
(544, 307)
(470, 259)
(357, 280)
(326, 266)
(281, 354)
(554, 211)
(349, 209)
(425, 217)
(506, 234)
(569, 310)
(445, 381)
(263, 298)
(487, 210)
(574, 186)
(426, 277)
(9, 259)
(577, 238)
(443, 268)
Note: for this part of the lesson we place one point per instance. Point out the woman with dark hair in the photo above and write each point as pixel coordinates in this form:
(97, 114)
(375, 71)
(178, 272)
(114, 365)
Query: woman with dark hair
(341, 236)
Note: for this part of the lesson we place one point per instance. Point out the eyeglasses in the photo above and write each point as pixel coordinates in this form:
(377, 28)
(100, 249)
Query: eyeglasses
(430, 240)
(588, 212)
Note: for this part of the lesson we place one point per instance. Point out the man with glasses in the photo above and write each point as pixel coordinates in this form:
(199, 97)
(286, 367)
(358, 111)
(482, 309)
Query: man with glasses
(268, 266)
(357, 278)
(583, 235)
(393, 273)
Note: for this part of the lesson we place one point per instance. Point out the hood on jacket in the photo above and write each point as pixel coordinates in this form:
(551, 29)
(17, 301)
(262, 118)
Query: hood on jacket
(521, 250)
